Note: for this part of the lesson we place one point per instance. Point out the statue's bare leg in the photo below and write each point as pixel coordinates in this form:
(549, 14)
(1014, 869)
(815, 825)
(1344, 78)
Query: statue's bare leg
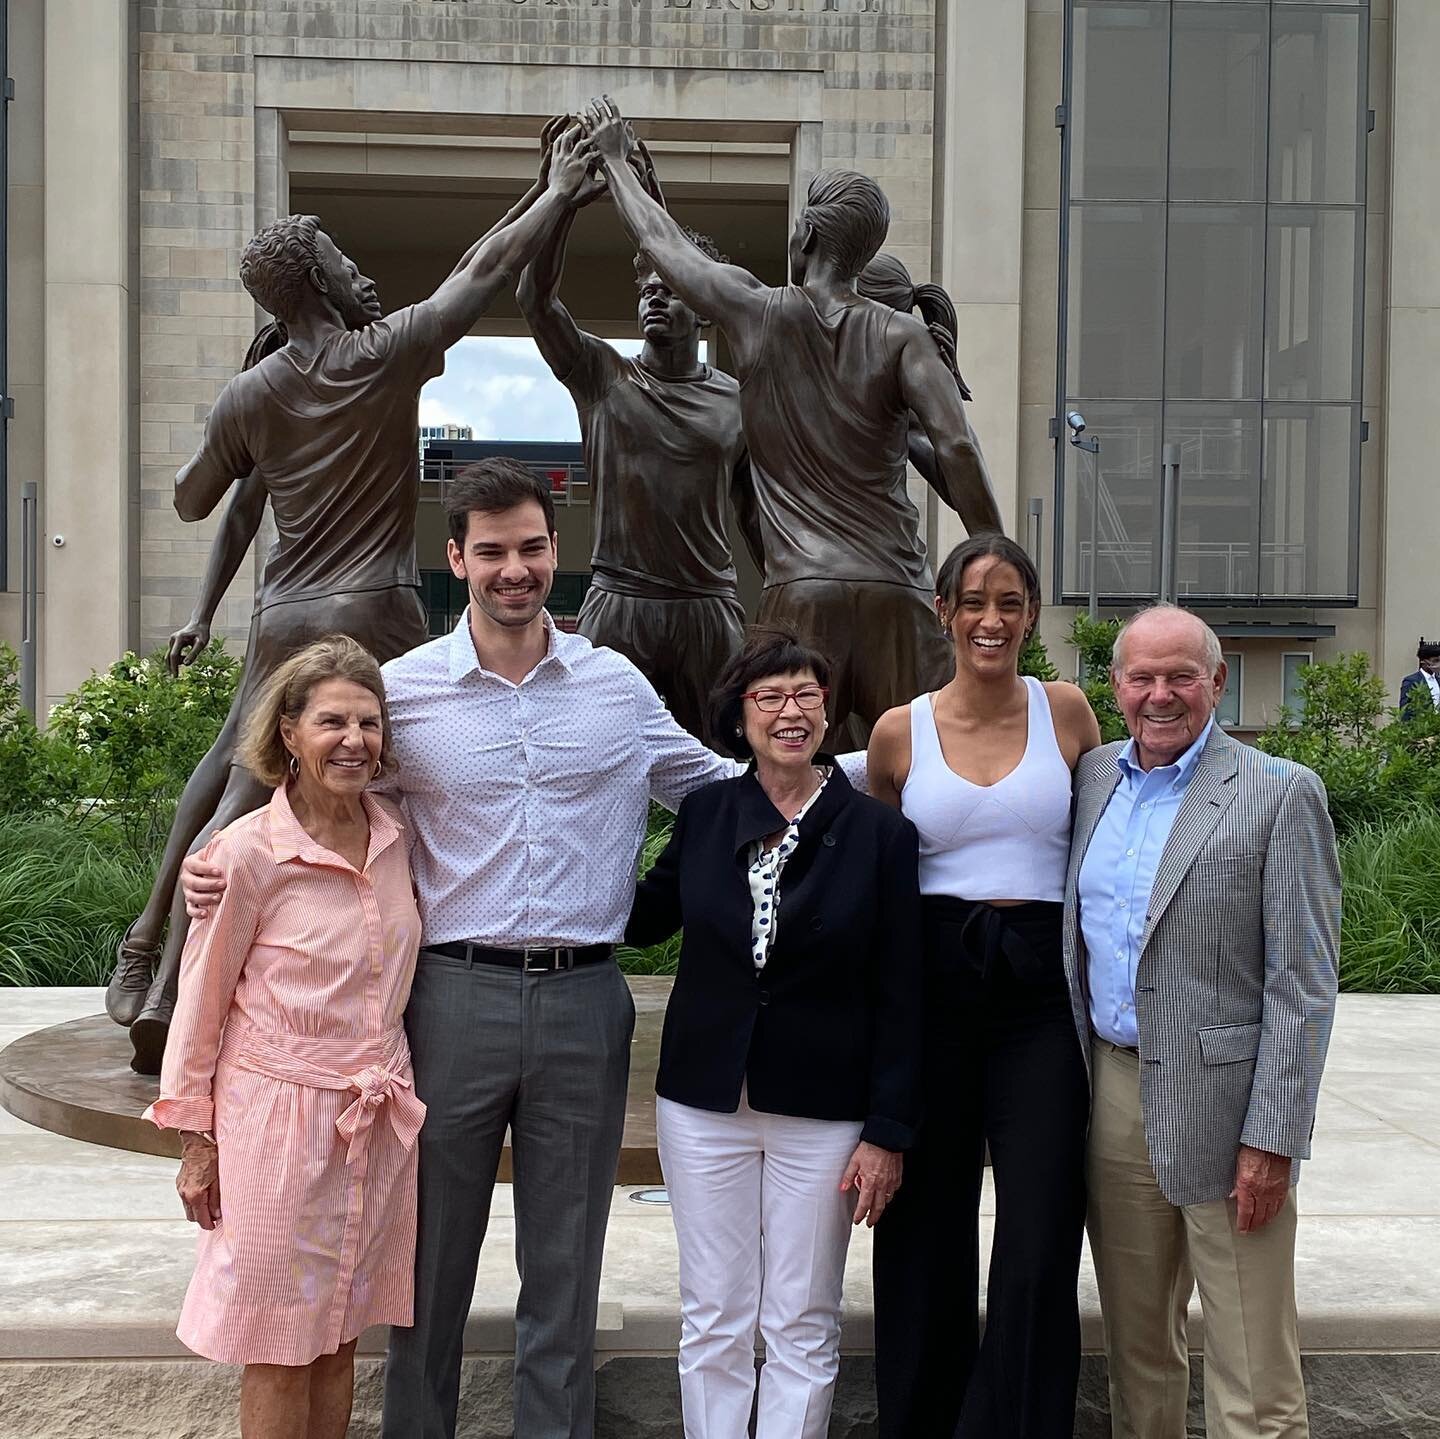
(138, 954)
(242, 793)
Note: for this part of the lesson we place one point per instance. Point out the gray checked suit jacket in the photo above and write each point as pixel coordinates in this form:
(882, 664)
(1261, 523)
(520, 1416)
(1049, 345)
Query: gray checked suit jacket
(1235, 986)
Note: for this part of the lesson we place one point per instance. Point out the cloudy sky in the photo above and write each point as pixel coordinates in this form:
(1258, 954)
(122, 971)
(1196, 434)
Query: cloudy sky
(504, 390)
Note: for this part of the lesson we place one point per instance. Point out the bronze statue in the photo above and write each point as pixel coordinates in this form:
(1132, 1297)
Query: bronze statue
(324, 426)
(829, 380)
(887, 280)
(664, 448)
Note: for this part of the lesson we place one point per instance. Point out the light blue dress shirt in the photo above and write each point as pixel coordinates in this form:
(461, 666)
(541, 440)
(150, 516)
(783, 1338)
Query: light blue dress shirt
(1116, 878)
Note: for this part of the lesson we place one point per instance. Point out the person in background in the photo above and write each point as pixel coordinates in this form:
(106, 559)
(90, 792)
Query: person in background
(1423, 686)
(789, 1073)
(982, 767)
(287, 1072)
(1202, 934)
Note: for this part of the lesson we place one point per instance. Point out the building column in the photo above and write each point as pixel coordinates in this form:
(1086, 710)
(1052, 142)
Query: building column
(89, 493)
(979, 206)
(1408, 601)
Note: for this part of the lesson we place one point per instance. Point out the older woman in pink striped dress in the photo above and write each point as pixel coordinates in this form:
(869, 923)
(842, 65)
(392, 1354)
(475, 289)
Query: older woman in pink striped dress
(287, 1070)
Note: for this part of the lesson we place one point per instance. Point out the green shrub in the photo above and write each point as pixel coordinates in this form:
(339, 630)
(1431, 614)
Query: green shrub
(36, 771)
(66, 894)
(137, 735)
(1390, 917)
(1035, 660)
(1377, 765)
(1095, 640)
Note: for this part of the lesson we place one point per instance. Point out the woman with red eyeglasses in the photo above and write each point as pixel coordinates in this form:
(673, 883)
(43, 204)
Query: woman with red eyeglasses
(789, 1066)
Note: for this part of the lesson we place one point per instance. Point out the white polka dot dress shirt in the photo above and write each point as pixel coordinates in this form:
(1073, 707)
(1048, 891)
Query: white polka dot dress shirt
(528, 802)
(766, 866)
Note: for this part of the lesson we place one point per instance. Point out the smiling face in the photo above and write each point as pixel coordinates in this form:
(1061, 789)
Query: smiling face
(508, 563)
(990, 617)
(789, 736)
(352, 293)
(664, 318)
(1165, 685)
(1431, 665)
(336, 739)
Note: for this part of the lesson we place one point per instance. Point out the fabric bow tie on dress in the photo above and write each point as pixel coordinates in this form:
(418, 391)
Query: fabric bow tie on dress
(374, 1069)
(374, 1087)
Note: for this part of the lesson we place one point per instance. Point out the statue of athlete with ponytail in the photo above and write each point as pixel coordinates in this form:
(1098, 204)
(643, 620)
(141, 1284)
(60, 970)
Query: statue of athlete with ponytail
(829, 381)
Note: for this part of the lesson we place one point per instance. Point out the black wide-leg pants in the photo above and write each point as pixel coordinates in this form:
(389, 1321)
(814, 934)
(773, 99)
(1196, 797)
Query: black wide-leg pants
(1003, 1066)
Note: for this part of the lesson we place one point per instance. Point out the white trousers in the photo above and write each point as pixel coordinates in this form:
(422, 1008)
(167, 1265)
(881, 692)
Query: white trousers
(762, 1230)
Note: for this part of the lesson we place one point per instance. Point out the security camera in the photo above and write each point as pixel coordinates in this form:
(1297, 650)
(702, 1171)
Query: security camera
(1076, 421)
(57, 540)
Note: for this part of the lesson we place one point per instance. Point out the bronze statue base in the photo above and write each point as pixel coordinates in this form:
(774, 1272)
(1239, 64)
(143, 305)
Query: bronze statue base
(75, 1079)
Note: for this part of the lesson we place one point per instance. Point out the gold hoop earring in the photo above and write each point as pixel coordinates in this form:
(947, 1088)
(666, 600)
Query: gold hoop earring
(379, 765)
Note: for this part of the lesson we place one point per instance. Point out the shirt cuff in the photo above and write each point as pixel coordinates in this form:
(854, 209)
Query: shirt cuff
(196, 1113)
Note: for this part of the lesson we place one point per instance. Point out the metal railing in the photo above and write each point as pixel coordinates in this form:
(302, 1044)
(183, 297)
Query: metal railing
(569, 483)
(1230, 564)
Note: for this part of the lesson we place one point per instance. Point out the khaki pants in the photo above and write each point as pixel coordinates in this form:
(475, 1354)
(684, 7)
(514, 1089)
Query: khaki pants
(1150, 1254)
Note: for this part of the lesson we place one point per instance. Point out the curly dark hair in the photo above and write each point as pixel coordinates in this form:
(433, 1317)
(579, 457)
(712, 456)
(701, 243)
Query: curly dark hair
(703, 243)
(275, 266)
(775, 649)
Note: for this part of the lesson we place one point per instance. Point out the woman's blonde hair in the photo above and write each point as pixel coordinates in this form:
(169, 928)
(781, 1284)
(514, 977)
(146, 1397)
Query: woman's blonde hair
(286, 693)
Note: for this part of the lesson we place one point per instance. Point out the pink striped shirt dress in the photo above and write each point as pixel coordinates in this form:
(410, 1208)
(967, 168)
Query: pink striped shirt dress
(287, 1043)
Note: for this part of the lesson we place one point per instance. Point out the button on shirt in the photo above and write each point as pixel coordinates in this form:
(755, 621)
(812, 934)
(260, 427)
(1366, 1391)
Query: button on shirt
(528, 801)
(1116, 878)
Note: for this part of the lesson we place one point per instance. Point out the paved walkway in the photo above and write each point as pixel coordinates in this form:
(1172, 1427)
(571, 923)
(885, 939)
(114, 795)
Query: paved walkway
(93, 1260)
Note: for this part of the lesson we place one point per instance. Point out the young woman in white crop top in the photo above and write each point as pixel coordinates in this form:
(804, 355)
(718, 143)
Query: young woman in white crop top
(983, 768)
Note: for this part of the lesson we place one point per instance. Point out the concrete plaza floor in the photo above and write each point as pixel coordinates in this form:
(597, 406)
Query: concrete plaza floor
(94, 1258)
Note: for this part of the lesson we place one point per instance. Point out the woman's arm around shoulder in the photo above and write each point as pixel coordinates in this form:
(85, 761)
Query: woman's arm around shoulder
(1076, 727)
(888, 755)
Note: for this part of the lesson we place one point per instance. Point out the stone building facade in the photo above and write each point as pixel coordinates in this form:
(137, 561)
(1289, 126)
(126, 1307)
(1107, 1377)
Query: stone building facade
(149, 140)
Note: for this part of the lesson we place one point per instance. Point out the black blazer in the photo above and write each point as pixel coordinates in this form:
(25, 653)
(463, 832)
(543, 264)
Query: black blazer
(1414, 684)
(830, 1028)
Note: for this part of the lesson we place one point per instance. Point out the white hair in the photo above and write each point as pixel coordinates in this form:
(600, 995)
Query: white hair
(1214, 657)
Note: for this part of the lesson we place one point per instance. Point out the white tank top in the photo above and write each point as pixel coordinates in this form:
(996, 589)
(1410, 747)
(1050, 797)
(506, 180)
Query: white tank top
(1008, 840)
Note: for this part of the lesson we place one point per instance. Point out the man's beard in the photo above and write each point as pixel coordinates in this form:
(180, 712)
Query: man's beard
(508, 619)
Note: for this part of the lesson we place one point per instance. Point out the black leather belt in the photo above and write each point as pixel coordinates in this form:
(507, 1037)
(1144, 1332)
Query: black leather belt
(531, 961)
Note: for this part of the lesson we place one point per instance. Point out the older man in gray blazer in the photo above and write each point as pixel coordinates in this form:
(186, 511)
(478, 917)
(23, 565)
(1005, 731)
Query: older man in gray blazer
(1201, 942)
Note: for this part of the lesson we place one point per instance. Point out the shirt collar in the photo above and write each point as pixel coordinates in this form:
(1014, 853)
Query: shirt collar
(1179, 769)
(289, 839)
(559, 647)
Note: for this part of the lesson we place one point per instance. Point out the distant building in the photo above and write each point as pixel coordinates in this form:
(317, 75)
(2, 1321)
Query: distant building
(445, 432)
(1208, 227)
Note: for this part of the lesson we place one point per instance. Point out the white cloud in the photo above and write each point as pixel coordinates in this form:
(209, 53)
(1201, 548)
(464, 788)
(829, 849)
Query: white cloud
(500, 386)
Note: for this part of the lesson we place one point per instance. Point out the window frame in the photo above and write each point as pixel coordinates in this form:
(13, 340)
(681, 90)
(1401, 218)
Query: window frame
(1234, 684)
(1270, 211)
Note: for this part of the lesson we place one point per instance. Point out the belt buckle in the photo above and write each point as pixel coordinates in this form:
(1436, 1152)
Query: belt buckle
(547, 960)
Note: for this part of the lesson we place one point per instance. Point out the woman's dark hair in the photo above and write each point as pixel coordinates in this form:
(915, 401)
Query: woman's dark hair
(490, 486)
(769, 650)
(886, 280)
(951, 579)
